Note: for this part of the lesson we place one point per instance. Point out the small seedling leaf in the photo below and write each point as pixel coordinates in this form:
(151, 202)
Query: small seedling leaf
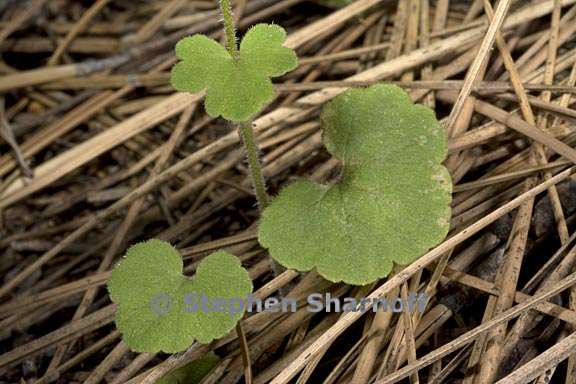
(191, 373)
(391, 204)
(235, 89)
(156, 310)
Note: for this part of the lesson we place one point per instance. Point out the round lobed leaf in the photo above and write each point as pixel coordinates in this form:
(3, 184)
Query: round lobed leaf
(154, 311)
(235, 89)
(392, 203)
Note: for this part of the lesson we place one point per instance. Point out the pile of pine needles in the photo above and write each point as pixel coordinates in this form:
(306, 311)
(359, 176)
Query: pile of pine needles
(98, 152)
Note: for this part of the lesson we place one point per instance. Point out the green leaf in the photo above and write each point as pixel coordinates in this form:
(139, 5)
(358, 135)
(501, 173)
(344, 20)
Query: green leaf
(391, 204)
(192, 373)
(154, 298)
(235, 89)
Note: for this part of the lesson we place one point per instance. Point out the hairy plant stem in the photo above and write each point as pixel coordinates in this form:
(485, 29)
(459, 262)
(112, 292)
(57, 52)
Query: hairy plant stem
(247, 136)
(229, 28)
(245, 128)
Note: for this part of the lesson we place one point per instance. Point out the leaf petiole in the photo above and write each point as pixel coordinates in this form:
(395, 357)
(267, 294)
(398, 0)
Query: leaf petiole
(247, 136)
(245, 128)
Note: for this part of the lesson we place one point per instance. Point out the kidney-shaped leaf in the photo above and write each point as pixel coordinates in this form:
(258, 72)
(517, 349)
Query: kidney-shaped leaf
(235, 89)
(391, 204)
(160, 309)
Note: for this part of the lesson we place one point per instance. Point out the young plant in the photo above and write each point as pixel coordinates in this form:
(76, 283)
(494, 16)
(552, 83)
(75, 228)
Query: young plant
(391, 204)
(158, 306)
(237, 80)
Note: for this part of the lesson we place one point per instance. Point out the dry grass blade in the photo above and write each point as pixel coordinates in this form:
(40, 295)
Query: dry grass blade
(475, 67)
(469, 336)
(550, 358)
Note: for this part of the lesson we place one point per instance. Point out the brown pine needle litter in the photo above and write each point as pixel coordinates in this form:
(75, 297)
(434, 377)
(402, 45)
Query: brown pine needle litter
(98, 152)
